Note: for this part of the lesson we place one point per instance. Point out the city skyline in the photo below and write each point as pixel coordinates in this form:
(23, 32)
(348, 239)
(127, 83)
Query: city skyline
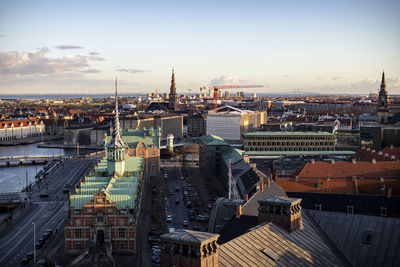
(336, 47)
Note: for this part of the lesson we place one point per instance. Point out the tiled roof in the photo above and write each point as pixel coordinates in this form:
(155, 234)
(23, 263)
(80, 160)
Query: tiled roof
(344, 169)
(270, 245)
(213, 140)
(364, 240)
(18, 123)
(384, 155)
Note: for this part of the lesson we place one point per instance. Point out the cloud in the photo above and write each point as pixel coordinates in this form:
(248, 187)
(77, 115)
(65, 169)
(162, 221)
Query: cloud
(286, 76)
(133, 70)
(2, 35)
(95, 58)
(90, 71)
(230, 80)
(94, 53)
(335, 78)
(39, 63)
(66, 47)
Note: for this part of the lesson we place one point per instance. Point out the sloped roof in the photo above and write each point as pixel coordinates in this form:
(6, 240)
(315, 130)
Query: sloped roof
(213, 140)
(190, 236)
(232, 154)
(134, 137)
(364, 240)
(344, 169)
(270, 245)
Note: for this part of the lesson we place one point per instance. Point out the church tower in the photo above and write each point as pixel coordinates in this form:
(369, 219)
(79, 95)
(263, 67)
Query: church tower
(172, 93)
(383, 110)
(116, 148)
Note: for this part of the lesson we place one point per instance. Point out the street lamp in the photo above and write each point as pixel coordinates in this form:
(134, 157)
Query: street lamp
(34, 243)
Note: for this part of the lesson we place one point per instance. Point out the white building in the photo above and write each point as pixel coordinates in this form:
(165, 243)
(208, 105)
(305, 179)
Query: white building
(229, 122)
(18, 129)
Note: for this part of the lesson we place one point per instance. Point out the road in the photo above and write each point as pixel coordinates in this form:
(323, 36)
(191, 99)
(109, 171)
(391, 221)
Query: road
(16, 239)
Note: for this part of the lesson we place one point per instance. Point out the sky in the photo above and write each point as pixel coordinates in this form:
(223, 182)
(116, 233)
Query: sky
(70, 47)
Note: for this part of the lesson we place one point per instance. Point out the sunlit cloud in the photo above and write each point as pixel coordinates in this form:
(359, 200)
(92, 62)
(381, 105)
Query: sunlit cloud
(132, 70)
(231, 80)
(66, 47)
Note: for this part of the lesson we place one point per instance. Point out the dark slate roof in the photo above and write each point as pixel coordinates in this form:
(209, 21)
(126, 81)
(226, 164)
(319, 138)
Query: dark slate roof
(270, 245)
(364, 240)
(222, 212)
(236, 227)
(158, 106)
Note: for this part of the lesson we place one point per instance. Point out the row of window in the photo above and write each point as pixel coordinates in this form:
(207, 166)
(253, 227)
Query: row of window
(289, 137)
(289, 143)
(350, 209)
(78, 233)
(289, 149)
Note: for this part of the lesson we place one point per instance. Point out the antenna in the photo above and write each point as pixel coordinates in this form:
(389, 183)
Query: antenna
(230, 179)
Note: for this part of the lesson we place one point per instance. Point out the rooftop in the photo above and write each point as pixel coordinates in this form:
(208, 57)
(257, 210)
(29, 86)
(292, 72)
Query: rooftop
(298, 153)
(190, 236)
(213, 140)
(288, 134)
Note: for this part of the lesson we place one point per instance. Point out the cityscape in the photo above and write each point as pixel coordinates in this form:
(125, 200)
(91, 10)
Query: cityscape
(207, 134)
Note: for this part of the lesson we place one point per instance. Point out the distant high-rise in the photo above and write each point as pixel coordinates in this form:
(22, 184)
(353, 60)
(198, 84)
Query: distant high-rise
(172, 93)
(383, 110)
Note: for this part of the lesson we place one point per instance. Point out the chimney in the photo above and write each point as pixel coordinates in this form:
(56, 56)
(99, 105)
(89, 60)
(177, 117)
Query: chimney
(353, 161)
(368, 149)
(313, 161)
(284, 211)
(363, 148)
(238, 211)
(386, 155)
(355, 184)
(296, 178)
(333, 161)
(318, 183)
(391, 146)
(382, 180)
(380, 153)
(393, 157)
(373, 161)
(373, 151)
(246, 198)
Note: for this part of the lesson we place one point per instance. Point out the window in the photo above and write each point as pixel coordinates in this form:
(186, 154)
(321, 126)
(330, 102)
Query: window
(350, 209)
(367, 238)
(78, 246)
(100, 219)
(318, 206)
(78, 233)
(121, 232)
(383, 211)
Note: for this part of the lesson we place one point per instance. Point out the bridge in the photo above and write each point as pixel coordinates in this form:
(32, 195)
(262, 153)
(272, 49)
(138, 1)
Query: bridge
(175, 145)
(13, 161)
(10, 199)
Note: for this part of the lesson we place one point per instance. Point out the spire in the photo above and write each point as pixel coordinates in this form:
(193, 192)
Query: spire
(383, 83)
(116, 140)
(173, 88)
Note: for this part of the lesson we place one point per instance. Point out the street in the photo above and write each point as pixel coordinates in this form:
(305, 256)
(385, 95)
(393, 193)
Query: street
(47, 212)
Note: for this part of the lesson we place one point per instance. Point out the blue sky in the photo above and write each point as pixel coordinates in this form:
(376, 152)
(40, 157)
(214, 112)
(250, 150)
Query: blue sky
(80, 46)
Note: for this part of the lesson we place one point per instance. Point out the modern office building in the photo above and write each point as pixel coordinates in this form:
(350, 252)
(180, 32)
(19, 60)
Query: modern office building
(289, 141)
(230, 123)
(196, 124)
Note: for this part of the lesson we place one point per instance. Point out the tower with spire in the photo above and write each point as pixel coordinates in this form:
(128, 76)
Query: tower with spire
(383, 110)
(116, 148)
(172, 93)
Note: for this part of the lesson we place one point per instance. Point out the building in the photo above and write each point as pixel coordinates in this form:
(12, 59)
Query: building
(173, 97)
(21, 128)
(210, 149)
(383, 110)
(105, 210)
(146, 144)
(289, 141)
(230, 123)
(196, 124)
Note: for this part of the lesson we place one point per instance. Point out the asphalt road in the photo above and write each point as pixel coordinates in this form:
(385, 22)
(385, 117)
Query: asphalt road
(16, 239)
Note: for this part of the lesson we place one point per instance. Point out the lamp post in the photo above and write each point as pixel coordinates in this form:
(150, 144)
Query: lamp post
(34, 243)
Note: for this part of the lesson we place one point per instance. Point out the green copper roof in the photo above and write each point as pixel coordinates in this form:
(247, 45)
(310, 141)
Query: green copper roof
(134, 137)
(232, 154)
(287, 133)
(118, 190)
(213, 140)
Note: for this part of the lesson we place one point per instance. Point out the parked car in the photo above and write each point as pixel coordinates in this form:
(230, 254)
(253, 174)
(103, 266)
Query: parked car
(169, 218)
(210, 206)
(177, 202)
(44, 195)
(185, 223)
(177, 189)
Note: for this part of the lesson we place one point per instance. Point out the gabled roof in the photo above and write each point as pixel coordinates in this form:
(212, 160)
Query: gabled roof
(364, 240)
(270, 245)
(213, 140)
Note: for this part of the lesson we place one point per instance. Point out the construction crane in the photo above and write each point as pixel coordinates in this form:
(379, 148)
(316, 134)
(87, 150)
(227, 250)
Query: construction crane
(216, 88)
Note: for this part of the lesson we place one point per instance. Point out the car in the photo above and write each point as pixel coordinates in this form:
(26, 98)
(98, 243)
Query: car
(24, 262)
(169, 218)
(171, 230)
(66, 190)
(171, 192)
(177, 189)
(210, 206)
(38, 245)
(44, 195)
(185, 223)
(185, 193)
(189, 204)
(191, 212)
(155, 259)
(196, 228)
(177, 202)
(29, 256)
(192, 218)
(182, 178)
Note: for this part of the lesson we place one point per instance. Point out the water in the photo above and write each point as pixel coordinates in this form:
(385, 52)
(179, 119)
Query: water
(13, 179)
